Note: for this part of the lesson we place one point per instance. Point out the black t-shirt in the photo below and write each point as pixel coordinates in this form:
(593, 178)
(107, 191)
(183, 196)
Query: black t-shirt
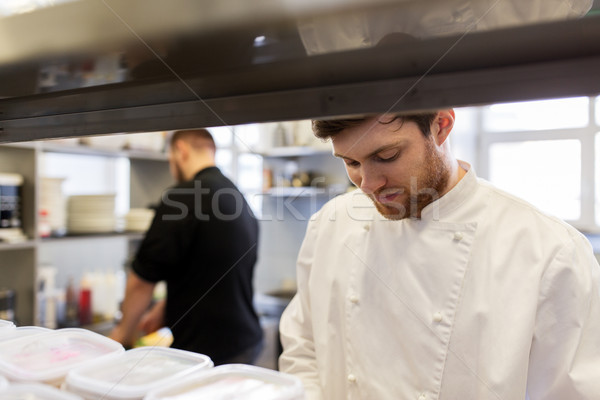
(203, 242)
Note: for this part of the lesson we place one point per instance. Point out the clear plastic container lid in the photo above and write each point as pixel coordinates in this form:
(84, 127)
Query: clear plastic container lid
(21, 331)
(35, 391)
(233, 382)
(4, 324)
(130, 375)
(48, 356)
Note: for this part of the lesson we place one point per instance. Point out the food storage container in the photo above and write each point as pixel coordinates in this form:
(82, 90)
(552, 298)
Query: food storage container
(233, 382)
(6, 326)
(21, 331)
(35, 391)
(48, 356)
(132, 374)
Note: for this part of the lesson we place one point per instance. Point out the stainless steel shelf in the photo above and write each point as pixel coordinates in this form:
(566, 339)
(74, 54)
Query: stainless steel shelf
(531, 62)
(95, 151)
(88, 236)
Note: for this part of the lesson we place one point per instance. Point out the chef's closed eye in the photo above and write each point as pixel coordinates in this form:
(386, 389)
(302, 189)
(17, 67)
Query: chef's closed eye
(351, 163)
(387, 155)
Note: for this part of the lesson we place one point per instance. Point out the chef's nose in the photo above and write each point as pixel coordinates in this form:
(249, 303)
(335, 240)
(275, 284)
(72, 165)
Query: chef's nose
(371, 180)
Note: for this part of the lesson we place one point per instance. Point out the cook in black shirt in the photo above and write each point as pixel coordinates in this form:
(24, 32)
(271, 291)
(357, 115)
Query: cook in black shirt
(203, 243)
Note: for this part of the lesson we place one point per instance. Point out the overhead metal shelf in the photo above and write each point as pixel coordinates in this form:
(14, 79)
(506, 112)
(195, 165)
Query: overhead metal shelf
(539, 61)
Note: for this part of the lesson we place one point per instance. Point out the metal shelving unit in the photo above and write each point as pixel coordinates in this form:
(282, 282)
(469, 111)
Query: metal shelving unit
(149, 175)
(556, 59)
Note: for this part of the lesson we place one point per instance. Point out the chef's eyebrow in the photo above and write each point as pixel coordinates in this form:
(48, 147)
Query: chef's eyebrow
(376, 151)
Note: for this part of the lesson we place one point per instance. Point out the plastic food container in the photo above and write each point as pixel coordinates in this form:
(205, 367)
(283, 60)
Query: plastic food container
(130, 375)
(35, 391)
(6, 326)
(233, 382)
(48, 356)
(21, 331)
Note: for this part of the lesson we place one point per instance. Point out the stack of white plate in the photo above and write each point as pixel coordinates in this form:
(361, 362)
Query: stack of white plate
(53, 200)
(138, 219)
(91, 214)
(12, 235)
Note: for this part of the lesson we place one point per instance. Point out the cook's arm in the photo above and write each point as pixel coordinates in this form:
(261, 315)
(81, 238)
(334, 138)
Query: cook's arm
(138, 297)
(153, 319)
(565, 352)
(299, 357)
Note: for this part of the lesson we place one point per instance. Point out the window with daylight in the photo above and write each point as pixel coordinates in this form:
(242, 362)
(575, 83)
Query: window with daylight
(530, 171)
(546, 152)
(235, 159)
(537, 115)
(597, 111)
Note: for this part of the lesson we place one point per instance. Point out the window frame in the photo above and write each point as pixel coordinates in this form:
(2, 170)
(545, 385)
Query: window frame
(586, 136)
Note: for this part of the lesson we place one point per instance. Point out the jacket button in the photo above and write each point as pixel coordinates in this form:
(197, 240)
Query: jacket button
(351, 378)
(354, 298)
(458, 236)
(437, 317)
(367, 227)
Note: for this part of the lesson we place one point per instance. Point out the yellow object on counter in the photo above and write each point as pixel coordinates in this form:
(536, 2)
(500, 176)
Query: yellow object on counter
(162, 337)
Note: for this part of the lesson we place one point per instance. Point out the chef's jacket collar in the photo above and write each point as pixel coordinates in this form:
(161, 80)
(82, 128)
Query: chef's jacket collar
(455, 197)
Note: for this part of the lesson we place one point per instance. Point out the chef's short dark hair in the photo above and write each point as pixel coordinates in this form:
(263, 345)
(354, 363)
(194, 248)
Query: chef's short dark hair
(327, 128)
(195, 137)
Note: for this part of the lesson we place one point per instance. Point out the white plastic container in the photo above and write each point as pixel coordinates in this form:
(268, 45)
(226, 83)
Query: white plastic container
(6, 325)
(132, 374)
(35, 391)
(21, 331)
(47, 357)
(233, 382)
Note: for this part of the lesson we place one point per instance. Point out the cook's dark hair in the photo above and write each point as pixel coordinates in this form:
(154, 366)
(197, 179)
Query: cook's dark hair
(195, 137)
(327, 128)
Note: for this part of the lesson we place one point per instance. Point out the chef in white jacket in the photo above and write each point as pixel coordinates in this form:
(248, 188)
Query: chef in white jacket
(429, 283)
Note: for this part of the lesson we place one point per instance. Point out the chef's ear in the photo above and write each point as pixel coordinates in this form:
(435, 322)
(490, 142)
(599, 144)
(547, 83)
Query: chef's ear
(442, 125)
(181, 148)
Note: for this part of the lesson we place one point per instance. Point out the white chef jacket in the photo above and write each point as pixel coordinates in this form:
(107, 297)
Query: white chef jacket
(484, 297)
(426, 19)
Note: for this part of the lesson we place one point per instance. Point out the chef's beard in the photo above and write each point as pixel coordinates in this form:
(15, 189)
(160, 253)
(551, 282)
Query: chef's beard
(425, 188)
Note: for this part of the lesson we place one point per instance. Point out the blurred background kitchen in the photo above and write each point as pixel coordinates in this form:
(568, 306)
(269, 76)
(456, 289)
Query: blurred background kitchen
(74, 209)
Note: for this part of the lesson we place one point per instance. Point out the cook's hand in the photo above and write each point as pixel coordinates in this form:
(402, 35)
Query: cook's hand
(153, 319)
(119, 334)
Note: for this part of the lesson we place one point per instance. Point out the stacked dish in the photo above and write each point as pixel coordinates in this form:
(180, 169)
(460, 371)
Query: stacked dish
(12, 235)
(91, 214)
(138, 219)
